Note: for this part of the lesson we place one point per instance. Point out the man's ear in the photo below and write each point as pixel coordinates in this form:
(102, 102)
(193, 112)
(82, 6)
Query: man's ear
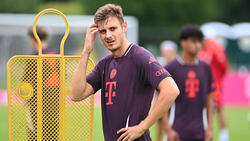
(125, 27)
(33, 41)
(183, 43)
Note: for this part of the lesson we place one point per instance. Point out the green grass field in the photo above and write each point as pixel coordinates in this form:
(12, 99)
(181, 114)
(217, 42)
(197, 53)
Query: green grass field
(238, 124)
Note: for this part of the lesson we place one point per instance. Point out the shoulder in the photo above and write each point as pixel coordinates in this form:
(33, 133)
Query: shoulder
(142, 55)
(205, 65)
(172, 64)
(213, 45)
(104, 60)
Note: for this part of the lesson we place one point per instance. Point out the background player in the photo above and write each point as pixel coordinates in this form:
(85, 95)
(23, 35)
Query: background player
(43, 35)
(50, 91)
(168, 53)
(127, 79)
(214, 54)
(194, 79)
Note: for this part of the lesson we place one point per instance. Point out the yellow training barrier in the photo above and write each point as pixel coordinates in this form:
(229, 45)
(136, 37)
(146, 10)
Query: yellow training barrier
(39, 107)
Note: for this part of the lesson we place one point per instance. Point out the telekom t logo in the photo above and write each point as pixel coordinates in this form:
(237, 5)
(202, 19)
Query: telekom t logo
(192, 84)
(110, 91)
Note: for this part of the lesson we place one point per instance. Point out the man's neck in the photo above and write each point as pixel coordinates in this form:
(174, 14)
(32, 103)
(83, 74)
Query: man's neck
(188, 59)
(120, 52)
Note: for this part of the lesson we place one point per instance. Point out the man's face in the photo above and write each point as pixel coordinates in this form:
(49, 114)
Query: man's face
(112, 33)
(34, 43)
(168, 54)
(192, 46)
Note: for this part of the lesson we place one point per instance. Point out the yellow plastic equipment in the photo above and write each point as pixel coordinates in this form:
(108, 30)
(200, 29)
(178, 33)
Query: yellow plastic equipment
(39, 107)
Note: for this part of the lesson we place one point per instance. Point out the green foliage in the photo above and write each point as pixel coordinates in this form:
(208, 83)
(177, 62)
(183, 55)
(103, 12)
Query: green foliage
(234, 11)
(160, 18)
(161, 12)
(65, 7)
(19, 6)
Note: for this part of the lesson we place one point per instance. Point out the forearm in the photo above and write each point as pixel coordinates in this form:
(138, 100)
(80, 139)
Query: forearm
(210, 111)
(79, 78)
(166, 98)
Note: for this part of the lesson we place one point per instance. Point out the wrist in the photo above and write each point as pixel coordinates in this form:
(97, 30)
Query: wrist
(210, 125)
(85, 52)
(143, 126)
(169, 129)
(210, 128)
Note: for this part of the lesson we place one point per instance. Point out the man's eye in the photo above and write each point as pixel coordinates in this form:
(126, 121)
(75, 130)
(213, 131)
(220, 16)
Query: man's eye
(102, 31)
(112, 28)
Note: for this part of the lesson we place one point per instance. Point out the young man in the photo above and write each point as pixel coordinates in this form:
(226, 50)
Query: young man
(194, 79)
(127, 79)
(168, 50)
(50, 90)
(214, 54)
(42, 34)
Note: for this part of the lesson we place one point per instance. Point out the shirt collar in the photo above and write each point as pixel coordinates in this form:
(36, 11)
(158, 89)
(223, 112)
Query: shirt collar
(181, 61)
(128, 49)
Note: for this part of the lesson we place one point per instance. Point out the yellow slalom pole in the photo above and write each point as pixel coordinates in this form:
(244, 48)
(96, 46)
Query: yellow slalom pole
(62, 73)
(66, 31)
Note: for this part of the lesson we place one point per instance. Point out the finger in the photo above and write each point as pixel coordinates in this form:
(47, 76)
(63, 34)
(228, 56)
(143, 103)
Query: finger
(177, 138)
(209, 138)
(122, 130)
(126, 138)
(123, 136)
(92, 28)
(130, 139)
(94, 31)
(93, 25)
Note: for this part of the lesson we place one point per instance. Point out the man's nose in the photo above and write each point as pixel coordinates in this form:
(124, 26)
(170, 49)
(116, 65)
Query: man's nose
(108, 34)
(198, 45)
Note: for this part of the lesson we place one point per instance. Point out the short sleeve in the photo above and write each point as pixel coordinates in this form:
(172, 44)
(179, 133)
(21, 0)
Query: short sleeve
(94, 78)
(150, 71)
(169, 67)
(211, 83)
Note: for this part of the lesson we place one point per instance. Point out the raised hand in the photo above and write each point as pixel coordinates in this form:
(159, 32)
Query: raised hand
(90, 38)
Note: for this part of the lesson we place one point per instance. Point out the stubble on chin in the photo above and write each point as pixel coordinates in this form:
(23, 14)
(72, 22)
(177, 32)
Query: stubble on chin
(113, 49)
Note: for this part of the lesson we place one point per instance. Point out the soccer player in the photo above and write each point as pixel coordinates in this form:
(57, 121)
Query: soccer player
(193, 107)
(127, 79)
(43, 35)
(50, 90)
(168, 50)
(214, 54)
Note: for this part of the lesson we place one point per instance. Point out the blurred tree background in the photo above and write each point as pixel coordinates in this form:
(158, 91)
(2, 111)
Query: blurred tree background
(158, 20)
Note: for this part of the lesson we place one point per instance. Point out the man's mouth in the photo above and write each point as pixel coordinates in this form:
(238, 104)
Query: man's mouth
(110, 42)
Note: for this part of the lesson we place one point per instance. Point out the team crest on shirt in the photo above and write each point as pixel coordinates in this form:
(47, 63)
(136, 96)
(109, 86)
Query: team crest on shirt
(192, 84)
(110, 92)
(113, 73)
